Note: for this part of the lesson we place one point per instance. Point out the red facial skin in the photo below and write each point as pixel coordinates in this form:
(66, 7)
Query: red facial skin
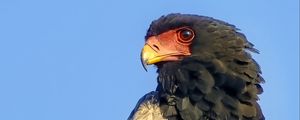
(172, 44)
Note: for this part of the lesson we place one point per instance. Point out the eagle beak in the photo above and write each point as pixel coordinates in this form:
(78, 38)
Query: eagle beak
(149, 56)
(154, 52)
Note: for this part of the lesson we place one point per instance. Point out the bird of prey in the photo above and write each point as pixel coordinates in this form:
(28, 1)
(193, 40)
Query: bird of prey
(205, 71)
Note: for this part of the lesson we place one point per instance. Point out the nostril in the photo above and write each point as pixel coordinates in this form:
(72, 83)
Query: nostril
(156, 47)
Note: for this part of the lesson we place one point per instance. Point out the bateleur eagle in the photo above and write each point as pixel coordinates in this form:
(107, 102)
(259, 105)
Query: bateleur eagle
(205, 71)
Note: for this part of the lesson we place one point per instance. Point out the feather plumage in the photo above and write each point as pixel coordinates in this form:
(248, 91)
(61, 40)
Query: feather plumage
(219, 81)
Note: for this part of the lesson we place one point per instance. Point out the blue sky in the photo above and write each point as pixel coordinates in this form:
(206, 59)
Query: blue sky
(79, 60)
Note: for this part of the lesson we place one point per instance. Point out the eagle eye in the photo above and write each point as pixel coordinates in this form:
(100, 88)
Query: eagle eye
(185, 35)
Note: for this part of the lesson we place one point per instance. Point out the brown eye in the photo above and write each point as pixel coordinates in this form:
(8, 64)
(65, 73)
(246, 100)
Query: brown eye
(185, 35)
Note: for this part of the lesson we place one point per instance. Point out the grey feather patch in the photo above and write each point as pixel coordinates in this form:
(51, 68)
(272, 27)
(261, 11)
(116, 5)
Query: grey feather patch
(147, 108)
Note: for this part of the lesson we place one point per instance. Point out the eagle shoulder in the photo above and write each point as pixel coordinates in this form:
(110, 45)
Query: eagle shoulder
(147, 108)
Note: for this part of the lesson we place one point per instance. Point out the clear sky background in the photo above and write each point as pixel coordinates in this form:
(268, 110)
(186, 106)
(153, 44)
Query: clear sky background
(79, 60)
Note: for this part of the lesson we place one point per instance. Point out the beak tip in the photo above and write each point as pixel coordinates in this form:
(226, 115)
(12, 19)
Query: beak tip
(144, 65)
(143, 61)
